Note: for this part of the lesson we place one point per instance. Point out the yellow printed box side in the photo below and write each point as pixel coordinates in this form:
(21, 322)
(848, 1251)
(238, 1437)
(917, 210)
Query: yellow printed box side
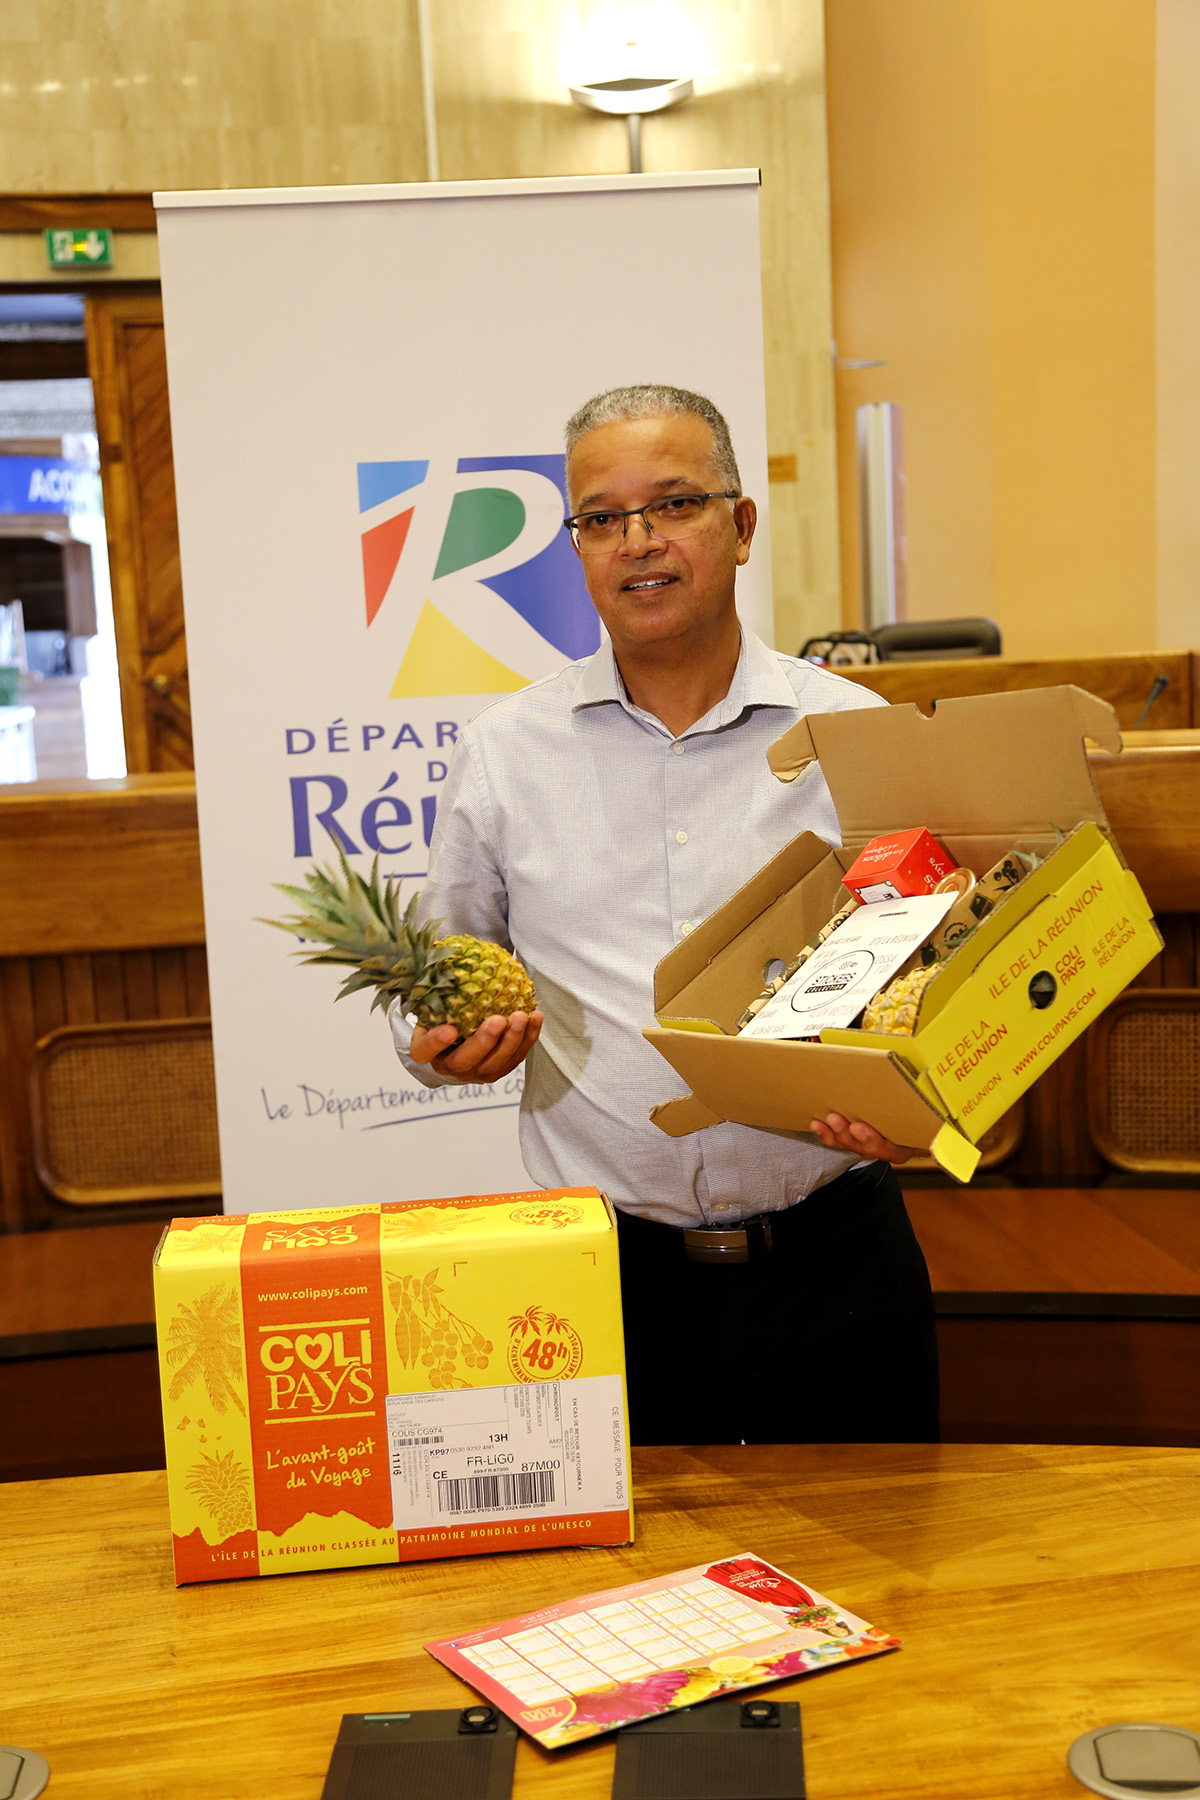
(982, 1039)
(205, 1399)
(1038, 990)
(537, 1310)
(489, 1217)
(285, 1321)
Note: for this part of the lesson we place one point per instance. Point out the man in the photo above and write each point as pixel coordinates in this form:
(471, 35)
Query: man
(590, 821)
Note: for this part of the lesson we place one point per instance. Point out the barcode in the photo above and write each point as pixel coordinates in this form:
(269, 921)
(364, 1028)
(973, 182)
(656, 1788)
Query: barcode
(495, 1493)
(410, 1443)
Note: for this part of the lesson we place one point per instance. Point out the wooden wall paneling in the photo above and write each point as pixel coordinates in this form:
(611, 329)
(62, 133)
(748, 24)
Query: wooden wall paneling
(87, 862)
(141, 991)
(195, 974)
(108, 974)
(1175, 965)
(80, 1415)
(1151, 795)
(1070, 1381)
(49, 1000)
(79, 989)
(17, 1037)
(1123, 679)
(113, 212)
(170, 984)
(127, 356)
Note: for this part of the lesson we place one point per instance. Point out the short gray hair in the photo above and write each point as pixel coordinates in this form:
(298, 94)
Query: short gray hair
(652, 400)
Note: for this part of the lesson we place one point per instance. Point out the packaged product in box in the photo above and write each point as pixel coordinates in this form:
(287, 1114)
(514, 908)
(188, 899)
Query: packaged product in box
(385, 1383)
(1053, 928)
(898, 865)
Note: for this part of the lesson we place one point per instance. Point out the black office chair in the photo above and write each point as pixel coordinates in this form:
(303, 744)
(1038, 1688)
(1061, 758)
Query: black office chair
(923, 640)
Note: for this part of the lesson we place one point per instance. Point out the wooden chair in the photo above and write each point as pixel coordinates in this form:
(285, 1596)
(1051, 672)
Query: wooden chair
(126, 1112)
(1144, 1081)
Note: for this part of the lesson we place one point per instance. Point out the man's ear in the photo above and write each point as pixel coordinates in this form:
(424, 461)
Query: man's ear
(745, 518)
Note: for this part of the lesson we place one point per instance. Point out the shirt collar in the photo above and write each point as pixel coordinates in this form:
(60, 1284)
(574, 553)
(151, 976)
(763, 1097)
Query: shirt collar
(758, 680)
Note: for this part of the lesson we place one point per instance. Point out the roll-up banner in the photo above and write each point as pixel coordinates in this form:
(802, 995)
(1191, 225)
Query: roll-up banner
(368, 392)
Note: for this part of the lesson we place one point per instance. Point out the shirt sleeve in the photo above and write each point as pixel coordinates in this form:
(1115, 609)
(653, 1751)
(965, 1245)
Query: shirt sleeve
(464, 886)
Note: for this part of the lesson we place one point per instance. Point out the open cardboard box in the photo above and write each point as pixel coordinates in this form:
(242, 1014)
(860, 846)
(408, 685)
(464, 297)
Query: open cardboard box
(986, 774)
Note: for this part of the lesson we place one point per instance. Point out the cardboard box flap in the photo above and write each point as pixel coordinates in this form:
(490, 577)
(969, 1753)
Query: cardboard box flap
(994, 765)
(689, 959)
(754, 1081)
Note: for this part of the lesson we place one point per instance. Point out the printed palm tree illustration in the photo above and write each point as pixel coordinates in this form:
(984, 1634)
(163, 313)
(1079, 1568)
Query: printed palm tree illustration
(206, 1340)
(540, 1320)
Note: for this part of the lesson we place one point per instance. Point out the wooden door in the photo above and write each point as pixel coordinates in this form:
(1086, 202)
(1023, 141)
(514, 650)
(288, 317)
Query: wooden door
(128, 362)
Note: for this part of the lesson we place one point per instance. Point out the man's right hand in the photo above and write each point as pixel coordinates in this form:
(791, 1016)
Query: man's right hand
(493, 1050)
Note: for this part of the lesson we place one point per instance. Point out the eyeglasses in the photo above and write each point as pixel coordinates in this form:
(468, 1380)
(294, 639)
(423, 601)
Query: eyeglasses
(678, 516)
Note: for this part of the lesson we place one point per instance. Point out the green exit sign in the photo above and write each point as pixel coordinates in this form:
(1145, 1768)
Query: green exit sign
(80, 247)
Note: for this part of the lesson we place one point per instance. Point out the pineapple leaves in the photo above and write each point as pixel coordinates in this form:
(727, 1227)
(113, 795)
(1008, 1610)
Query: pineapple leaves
(355, 923)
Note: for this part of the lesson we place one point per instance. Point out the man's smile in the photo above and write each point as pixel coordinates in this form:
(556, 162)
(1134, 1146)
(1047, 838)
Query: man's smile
(642, 583)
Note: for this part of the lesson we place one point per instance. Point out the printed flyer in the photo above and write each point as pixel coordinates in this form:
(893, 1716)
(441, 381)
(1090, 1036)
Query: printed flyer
(591, 1665)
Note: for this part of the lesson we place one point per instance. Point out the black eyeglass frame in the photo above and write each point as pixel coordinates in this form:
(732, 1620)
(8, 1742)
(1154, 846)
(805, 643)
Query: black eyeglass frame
(639, 512)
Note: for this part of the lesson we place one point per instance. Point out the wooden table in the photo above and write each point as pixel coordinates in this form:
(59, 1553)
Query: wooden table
(1039, 1591)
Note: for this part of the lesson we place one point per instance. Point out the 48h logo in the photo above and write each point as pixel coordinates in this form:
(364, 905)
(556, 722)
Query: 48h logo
(543, 1347)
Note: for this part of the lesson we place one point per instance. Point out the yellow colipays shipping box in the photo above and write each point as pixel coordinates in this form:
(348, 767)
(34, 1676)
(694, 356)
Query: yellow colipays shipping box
(986, 774)
(386, 1383)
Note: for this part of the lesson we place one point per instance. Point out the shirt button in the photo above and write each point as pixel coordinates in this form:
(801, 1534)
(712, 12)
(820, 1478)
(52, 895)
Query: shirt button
(681, 837)
(685, 928)
(677, 749)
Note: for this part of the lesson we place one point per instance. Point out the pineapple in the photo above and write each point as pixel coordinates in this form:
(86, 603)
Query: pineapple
(222, 1486)
(894, 1011)
(460, 980)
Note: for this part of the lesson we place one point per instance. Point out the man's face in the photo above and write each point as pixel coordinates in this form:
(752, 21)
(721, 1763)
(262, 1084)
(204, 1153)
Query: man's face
(646, 590)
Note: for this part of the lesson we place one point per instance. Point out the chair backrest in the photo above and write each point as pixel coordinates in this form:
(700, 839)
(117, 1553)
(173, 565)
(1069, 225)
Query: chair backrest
(921, 639)
(126, 1112)
(1144, 1081)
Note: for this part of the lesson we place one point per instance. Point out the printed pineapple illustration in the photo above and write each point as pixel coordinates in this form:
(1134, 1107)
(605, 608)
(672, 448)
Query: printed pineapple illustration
(430, 1335)
(457, 980)
(205, 1339)
(222, 1486)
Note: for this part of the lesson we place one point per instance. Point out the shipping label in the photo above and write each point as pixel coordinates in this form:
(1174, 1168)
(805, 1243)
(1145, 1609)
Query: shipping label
(531, 1450)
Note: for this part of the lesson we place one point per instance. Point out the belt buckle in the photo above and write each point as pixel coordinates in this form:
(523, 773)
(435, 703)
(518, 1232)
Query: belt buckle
(750, 1242)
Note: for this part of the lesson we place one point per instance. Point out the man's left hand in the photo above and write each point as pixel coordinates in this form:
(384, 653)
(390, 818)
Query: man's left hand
(837, 1133)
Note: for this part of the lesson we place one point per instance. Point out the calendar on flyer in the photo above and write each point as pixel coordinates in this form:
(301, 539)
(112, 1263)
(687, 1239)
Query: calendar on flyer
(586, 1666)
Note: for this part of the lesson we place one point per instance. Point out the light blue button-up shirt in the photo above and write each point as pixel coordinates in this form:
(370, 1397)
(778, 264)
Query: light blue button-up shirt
(576, 830)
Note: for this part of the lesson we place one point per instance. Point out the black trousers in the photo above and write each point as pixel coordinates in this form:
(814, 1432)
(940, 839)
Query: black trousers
(829, 1340)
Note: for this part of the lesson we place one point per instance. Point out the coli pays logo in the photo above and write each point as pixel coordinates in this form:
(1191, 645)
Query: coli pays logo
(311, 1369)
(470, 582)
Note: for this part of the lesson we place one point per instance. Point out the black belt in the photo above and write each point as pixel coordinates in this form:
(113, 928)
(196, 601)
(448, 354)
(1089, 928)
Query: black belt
(750, 1242)
(755, 1240)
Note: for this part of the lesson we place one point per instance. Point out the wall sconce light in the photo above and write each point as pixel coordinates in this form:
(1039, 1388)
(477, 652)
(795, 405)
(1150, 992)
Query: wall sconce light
(632, 97)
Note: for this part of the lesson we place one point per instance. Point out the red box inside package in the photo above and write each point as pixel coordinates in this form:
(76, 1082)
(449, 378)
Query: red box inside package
(899, 865)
